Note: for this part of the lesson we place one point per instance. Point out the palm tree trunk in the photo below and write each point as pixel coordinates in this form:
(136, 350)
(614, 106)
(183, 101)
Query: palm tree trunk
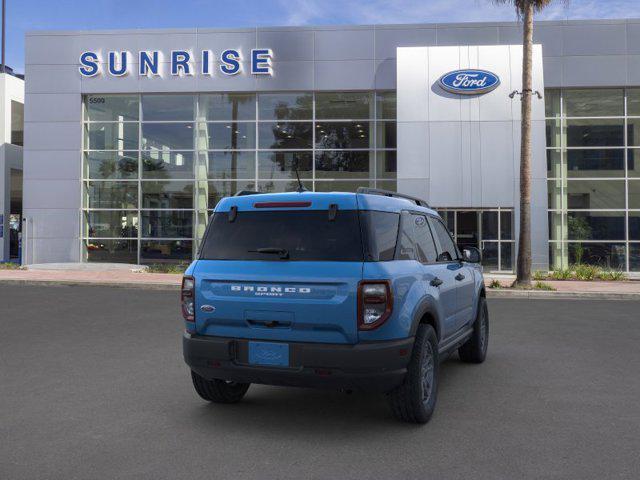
(524, 246)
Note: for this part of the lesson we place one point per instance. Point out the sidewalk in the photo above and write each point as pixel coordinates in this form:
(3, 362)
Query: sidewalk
(628, 290)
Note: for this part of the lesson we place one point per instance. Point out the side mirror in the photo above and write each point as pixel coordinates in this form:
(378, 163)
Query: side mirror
(471, 255)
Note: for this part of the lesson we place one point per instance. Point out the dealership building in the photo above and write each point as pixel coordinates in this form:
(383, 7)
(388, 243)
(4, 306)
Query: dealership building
(131, 137)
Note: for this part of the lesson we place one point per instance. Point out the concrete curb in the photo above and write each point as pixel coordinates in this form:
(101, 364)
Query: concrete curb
(546, 295)
(80, 283)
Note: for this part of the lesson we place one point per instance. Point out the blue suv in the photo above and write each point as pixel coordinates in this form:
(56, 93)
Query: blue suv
(351, 291)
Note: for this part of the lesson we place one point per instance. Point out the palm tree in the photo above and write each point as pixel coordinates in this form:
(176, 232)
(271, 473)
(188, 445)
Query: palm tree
(525, 10)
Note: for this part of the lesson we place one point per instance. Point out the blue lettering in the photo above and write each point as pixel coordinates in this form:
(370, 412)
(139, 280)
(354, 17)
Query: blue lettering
(206, 62)
(149, 63)
(113, 64)
(261, 61)
(89, 64)
(180, 62)
(230, 62)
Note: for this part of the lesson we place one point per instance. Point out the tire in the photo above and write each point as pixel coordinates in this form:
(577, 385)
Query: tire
(415, 400)
(219, 391)
(475, 349)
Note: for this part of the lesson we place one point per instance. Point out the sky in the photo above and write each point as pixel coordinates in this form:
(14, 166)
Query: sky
(26, 15)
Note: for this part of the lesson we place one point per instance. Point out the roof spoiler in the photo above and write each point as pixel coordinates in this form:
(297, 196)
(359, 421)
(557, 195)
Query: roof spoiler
(389, 193)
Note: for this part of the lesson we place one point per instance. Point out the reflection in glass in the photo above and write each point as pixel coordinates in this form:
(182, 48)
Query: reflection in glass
(506, 225)
(634, 225)
(610, 256)
(490, 225)
(335, 135)
(167, 224)
(506, 256)
(281, 165)
(634, 194)
(595, 163)
(555, 200)
(168, 195)
(386, 135)
(219, 189)
(595, 194)
(391, 185)
(285, 106)
(490, 256)
(112, 194)
(168, 107)
(111, 136)
(167, 136)
(633, 102)
(111, 108)
(112, 251)
(227, 136)
(554, 133)
(111, 165)
(633, 132)
(600, 102)
(227, 106)
(386, 105)
(552, 102)
(344, 164)
(387, 164)
(111, 224)
(285, 135)
(167, 164)
(231, 164)
(166, 251)
(596, 225)
(279, 186)
(347, 105)
(633, 162)
(554, 164)
(557, 229)
(342, 186)
(595, 133)
(634, 257)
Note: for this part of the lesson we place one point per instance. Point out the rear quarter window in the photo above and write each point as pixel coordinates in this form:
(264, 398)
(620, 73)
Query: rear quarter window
(380, 234)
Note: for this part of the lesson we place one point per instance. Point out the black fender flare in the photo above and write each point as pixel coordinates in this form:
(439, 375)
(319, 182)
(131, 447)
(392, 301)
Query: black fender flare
(427, 306)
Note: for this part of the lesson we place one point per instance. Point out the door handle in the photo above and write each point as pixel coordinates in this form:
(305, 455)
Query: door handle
(436, 282)
(460, 277)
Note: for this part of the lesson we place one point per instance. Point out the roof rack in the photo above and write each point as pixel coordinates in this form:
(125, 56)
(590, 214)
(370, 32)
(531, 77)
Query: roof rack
(242, 193)
(389, 193)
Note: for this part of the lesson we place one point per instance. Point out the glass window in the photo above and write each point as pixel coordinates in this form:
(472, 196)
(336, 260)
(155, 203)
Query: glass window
(633, 101)
(17, 123)
(285, 106)
(111, 224)
(306, 235)
(386, 105)
(490, 225)
(167, 224)
(227, 136)
(279, 186)
(596, 225)
(111, 108)
(111, 165)
(111, 136)
(221, 189)
(633, 162)
(342, 135)
(556, 230)
(467, 228)
(342, 186)
(595, 133)
(285, 135)
(386, 136)
(634, 257)
(633, 132)
(554, 133)
(446, 247)
(490, 256)
(406, 239)
(387, 164)
(168, 107)
(344, 164)
(391, 185)
(232, 164)
(554, 192)
(506, 254)
(167, 136)
(598, 102)
(379, 232)
(595, 163)
(449, 219)
(282, 165)
(348, 105)
(166, 164)
(506, 225)
(554, 163)
(610, 256)
(552, 103)
(112, 251)
(166, 251)
(634, 225)
(168, 195)
(595, 194)
(634, 194)
(425, 245)
(227, 106)
(112, 194)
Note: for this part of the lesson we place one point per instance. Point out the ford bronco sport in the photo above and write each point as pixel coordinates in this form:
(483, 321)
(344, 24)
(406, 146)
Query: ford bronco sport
(353, 291)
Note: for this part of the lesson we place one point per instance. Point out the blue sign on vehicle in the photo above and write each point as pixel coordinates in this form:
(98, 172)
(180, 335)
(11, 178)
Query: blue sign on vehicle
(469, 81)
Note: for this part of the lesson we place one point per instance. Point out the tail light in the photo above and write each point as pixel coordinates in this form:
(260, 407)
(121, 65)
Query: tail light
(375, 303)
(187, 298)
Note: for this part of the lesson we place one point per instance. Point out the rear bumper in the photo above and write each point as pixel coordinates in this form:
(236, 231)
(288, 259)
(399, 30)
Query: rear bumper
(371, 366)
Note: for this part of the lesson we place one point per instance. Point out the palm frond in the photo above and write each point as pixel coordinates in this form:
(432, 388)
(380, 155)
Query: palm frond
(519, 5)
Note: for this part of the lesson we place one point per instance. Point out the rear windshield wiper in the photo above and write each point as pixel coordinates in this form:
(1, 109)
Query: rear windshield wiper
(284, 253)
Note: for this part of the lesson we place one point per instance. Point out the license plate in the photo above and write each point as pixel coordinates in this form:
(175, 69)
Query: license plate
(266, 353)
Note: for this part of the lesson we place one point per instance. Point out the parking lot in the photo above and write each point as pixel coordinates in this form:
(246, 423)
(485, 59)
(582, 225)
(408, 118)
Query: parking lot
(93, 386)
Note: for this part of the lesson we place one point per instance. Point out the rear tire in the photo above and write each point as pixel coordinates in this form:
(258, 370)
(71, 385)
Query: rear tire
(475, 349)
(415, 400)
(219, 391)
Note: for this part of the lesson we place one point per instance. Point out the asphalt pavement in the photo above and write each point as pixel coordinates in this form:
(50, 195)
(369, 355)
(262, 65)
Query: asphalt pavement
(93, 386)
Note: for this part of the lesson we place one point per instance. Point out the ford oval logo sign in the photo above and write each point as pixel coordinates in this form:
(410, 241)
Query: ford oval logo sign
(469, 82)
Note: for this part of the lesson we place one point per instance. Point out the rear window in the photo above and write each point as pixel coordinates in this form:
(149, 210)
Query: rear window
(306, 235)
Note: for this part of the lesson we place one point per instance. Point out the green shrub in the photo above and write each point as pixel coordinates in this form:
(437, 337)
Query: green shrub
(543, 286)
(562, 274)
(495, 284)
(612, 275)
(540, 275)
(167, 268)
(9, 266)
(587, 272)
